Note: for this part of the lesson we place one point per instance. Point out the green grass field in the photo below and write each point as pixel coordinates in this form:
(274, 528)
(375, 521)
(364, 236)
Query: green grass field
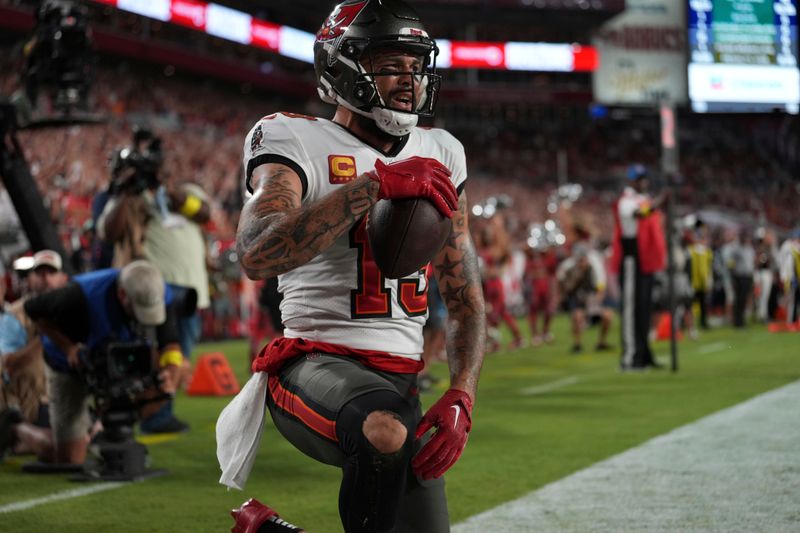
(522, 438)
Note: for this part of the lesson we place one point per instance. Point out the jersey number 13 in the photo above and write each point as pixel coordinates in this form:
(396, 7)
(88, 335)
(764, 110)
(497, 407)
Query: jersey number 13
(372, 298)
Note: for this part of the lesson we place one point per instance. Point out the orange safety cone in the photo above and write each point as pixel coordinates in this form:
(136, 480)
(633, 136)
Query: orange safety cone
(213, 377)
(778, 327)
(783, 327)
(663, 328)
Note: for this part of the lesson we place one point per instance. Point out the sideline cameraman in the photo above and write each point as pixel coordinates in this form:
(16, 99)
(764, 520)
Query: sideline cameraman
(84, 316)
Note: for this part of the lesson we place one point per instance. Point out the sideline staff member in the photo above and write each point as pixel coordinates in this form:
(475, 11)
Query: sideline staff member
(639, 251)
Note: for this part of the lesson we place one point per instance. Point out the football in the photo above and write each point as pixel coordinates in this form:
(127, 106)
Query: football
(405, 235)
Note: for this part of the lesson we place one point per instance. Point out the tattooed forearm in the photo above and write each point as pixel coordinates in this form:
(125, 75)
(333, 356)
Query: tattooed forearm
(277, 234)
(457, 272)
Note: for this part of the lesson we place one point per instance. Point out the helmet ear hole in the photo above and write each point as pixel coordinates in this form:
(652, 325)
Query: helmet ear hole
(364, 91)
(350, 51)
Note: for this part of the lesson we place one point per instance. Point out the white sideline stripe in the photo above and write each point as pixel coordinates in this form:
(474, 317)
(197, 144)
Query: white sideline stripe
(57, 496)
(737, 470)
(547, 387)
(713, 347)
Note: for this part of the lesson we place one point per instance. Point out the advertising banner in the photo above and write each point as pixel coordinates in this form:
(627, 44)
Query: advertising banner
(642, 55)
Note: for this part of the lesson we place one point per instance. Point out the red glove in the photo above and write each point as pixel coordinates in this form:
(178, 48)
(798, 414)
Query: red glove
(417, 177)
(250, 516)
(451, 416)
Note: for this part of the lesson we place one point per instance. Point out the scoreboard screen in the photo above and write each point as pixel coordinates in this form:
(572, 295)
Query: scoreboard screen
(743, 56)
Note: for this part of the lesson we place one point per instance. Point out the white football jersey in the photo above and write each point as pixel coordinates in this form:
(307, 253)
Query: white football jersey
(341, 296)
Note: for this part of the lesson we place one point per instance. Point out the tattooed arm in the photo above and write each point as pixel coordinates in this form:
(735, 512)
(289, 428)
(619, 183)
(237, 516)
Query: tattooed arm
(277, 233)
(456, 269)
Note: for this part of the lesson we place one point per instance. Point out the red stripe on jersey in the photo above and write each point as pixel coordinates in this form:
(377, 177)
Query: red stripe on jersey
(293, 404)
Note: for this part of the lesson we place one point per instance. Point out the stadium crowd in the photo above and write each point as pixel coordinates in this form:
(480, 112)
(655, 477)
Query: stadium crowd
(542, 251)
(200, 124)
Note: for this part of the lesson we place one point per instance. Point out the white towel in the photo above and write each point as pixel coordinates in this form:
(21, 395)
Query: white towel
(239, 429)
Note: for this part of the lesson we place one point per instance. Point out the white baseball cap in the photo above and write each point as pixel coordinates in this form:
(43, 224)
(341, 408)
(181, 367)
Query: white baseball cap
(144, 285)
(47, 258)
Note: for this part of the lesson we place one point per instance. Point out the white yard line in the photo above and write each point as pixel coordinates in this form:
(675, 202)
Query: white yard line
(550, 386)
(737, 470)
(58, 496)
(713, 347)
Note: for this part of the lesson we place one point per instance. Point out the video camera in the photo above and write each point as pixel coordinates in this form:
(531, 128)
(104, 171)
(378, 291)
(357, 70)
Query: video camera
(59, 56)
(135, 169)
(118, 373)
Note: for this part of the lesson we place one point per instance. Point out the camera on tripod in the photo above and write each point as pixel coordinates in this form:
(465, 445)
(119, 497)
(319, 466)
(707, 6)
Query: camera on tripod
(118, 373)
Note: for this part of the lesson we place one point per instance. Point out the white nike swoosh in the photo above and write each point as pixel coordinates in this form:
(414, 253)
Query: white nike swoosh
(458, 412)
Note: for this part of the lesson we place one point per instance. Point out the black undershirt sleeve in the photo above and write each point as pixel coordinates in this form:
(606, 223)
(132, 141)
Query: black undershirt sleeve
(263, 159)
(66, 308)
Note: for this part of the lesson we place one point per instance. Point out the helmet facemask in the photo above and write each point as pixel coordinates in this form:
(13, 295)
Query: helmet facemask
(351, 80)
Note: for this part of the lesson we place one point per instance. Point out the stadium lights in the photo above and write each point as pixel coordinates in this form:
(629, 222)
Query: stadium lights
(237, 26)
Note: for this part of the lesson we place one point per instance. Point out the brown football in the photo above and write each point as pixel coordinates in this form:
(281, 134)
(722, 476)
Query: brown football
(405, 235)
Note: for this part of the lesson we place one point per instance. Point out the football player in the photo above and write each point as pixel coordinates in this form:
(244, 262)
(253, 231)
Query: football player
(343, 380)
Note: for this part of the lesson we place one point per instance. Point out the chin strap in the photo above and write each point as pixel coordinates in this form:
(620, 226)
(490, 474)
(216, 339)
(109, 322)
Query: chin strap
(395, 123)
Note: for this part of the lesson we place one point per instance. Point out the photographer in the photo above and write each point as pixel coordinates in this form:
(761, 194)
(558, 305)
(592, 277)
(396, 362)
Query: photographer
(81, 319)
(145, 218)
(133, 198)
(140, 202)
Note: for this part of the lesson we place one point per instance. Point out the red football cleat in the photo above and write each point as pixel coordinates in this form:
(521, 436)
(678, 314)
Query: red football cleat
(250, 516)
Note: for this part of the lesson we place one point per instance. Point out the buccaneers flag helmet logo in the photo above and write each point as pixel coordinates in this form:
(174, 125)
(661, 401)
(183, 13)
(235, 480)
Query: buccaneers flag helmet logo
(338, 22)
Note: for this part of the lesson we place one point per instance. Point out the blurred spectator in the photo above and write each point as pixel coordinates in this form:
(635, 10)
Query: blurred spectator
(790, 275)
(700, 268)
(766, 266)
(684, 293)
(494, 247)
(580, 277)
(599, 305)
(24, 400)
(23, 374)
(722, 291)
(741, 263)
(540, 280)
